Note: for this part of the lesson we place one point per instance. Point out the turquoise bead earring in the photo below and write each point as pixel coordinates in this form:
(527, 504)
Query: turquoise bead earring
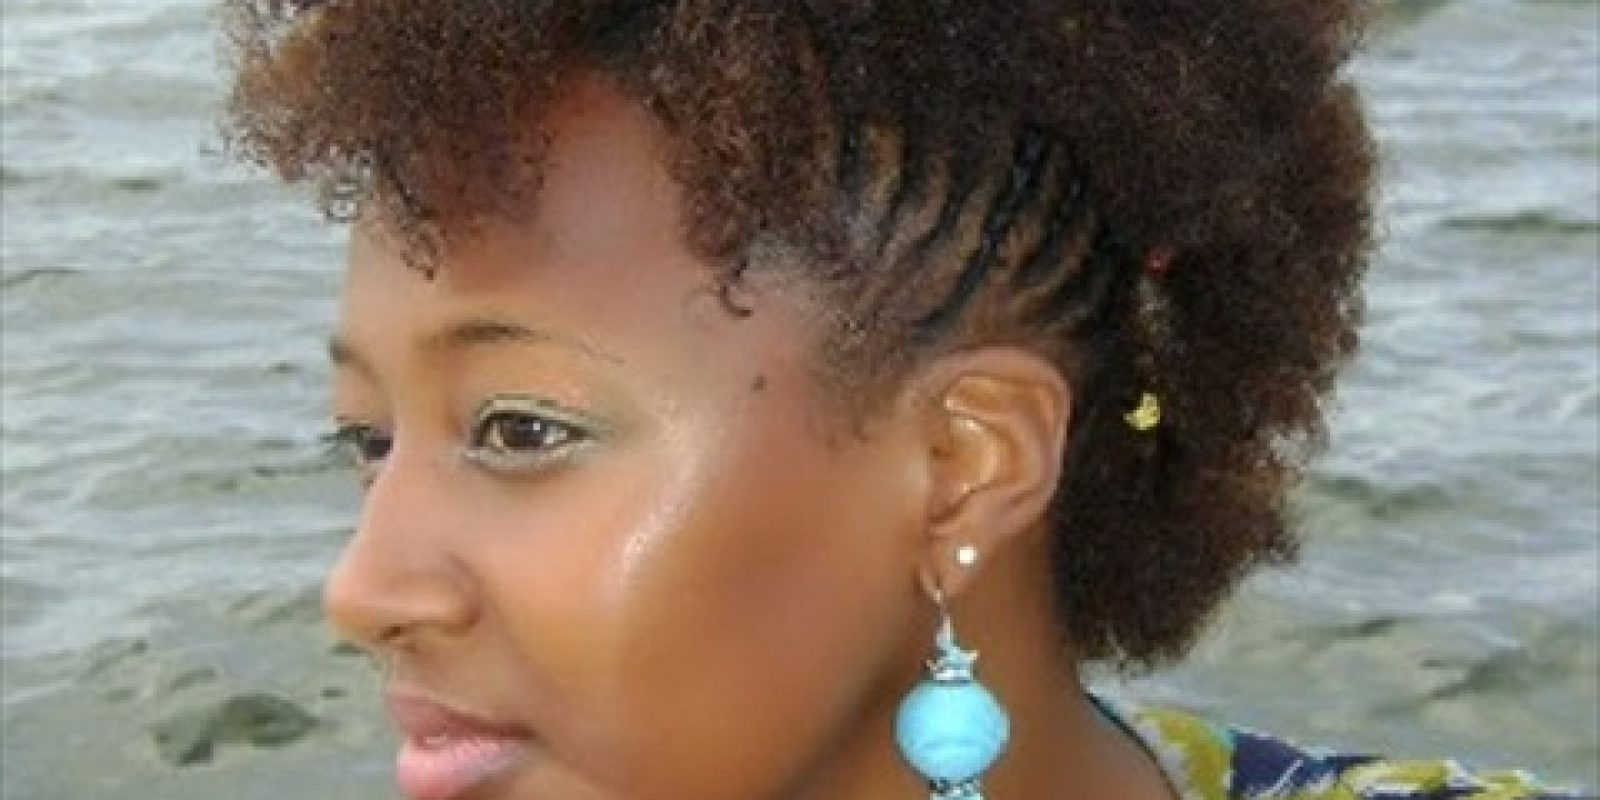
(950, 728)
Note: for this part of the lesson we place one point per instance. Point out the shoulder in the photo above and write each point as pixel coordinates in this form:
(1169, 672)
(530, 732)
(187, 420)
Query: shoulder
(1205, 760)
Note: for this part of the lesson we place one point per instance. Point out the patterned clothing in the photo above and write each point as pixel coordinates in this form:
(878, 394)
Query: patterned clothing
(1205, 761)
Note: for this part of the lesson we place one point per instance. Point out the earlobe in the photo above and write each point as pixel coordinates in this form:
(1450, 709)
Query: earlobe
(996, 421)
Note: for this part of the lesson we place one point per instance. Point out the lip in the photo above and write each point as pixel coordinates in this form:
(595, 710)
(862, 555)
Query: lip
(447, 752)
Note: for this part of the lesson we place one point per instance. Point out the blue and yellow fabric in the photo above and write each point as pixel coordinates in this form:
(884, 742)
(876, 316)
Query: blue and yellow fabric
(1206, 761)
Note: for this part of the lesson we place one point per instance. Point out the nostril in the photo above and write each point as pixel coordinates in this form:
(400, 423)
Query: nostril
(392, 636)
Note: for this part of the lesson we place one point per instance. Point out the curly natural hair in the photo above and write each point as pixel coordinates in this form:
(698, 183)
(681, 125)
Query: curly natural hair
(1164, 197)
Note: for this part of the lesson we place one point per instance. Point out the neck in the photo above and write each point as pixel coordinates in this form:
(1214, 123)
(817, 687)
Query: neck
(1061, 746)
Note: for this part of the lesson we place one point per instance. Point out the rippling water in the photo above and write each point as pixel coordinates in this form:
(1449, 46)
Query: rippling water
(167, 515)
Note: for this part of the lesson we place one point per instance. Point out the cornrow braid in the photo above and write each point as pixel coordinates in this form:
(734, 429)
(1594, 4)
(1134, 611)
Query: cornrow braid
(1021, 188)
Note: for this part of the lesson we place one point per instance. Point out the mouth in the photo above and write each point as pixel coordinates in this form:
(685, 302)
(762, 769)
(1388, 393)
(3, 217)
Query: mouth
(446, 753)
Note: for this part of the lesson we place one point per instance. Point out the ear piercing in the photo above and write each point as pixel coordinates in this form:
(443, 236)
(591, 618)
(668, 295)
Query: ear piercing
(966, 555)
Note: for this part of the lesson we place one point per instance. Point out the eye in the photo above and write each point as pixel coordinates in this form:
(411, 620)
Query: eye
(521, 433)
(362, 443)
(512, 432)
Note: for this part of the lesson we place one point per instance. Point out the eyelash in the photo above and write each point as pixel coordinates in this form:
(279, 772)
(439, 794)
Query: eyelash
(362, 445)
(489, 444)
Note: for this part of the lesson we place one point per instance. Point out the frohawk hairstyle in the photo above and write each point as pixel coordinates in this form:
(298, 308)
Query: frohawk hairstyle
(1158, 196)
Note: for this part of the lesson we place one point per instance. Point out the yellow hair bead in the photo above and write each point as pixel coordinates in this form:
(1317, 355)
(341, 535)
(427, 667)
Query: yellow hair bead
(1147, 415)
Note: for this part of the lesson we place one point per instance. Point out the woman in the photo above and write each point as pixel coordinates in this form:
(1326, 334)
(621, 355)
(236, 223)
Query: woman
(725, 375)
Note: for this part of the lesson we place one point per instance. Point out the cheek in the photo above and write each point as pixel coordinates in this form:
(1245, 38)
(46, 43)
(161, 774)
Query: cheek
(707, 607)
(762, 618)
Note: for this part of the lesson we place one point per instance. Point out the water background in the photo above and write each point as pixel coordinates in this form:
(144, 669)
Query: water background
(167, 513)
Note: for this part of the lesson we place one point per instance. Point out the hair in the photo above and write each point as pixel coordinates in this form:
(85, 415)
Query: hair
(1160, 197)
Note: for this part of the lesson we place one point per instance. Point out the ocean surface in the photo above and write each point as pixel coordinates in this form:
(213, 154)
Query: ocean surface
(168, 512)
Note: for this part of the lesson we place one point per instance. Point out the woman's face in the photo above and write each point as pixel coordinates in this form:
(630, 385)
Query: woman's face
(607, 549)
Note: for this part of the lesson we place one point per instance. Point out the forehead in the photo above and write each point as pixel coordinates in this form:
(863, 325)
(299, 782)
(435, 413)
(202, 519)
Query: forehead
(602, 192)
(600, 255)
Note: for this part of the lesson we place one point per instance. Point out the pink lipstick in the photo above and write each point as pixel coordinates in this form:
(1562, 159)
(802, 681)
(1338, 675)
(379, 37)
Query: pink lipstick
(446, 753)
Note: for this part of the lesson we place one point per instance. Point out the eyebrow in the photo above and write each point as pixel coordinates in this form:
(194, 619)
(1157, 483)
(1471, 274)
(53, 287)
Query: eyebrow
(474, 333)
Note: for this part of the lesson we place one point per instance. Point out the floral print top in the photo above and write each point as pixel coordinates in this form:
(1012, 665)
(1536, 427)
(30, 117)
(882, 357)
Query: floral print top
(1206, 761)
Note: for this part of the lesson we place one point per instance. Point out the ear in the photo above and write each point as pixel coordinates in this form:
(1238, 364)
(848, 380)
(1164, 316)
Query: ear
(995, 422)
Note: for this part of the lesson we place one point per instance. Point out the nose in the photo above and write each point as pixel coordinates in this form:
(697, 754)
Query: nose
(397, 582)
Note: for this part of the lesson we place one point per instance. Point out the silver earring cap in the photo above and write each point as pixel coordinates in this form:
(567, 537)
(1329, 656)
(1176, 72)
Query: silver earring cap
(966, 555)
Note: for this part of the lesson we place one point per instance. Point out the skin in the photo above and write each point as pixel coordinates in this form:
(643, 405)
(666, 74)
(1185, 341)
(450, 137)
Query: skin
(716, 593)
